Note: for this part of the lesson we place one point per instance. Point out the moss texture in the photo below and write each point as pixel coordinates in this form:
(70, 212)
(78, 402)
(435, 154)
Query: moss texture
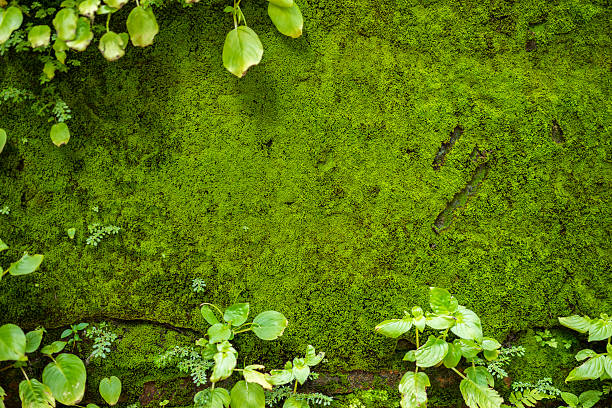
(308, 186)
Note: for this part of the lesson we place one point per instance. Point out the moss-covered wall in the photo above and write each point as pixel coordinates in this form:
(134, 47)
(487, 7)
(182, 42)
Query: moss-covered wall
(308, 185)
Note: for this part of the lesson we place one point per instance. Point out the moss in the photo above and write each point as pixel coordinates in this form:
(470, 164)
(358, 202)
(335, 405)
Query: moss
(308, 185)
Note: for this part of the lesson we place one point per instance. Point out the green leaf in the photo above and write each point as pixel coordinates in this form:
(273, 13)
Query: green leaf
(66, 378)
(10, 20)
(251, 375)
(34, 394)
(280, 377)
(26, 265)
(209, 398)
(116, 4)
(81, 326)
(3, 138)
(83, 35)
(225, 362)
(480, 375)
(219, 332)
(468, 324)
(442, 302)
(12, 342)
(71, 232)
(110, 389)
(410, 356)
(49, 70)
(395, 327)
(39, 36)
(301, 371)
(491, 355)
(88, 8)
(579, 323)
(209, 315)
(312, 358)
(142, 26)
(469, 348)
(282, 3)
(33, 340)
(60, 134)
(237, 314)
(269, 325)
(489, 344)
(53, 348)
(479, 396)
(245, 395)
(60, 47)
(287, 20)
(590, 370)
(586, 353)
(600, 329)
(65, 333)
(452, 357)
(3, 246)
(589, 398)
(241, 50)
(293, 402)
(439, 322)
(608, 365)
(431, 353)
(413, 387)
(570, 399)
(65, 23)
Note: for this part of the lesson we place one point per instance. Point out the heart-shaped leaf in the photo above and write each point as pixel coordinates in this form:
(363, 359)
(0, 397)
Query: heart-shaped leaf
(26, 265)
(65, 23)
(33, 340)
(242, 49)
(83, 35)
(287, 20)
(10, 20)
(66, 378)
(60, 134)
(110, 389)
(247, 395)
(12, 342)
(269, 325)
(237, 314)
(39, 36)
(142, 26)
(301, 371)
(209, 398)
(34, 394)
(112, 45)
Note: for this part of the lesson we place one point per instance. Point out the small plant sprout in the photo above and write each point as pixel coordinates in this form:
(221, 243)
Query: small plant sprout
(24, 266)
(198, 285)
(5, 210)
(71, 232)
(103, 338)
(98, 232)
(74, 332)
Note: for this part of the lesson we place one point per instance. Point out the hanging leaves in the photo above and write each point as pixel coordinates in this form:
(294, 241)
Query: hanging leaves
(83, 35)
(142, 26)
(39, 36)
(288, 20)
(88, 8)
(10, 20)
(65, 23)
(112, 45)
(242, 49)
(60, 134)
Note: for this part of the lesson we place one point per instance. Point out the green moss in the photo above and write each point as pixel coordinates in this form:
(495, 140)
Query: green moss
(308, 185)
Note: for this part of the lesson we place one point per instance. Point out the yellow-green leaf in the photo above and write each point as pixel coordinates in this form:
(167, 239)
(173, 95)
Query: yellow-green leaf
(112, 45)
(65, 23)
(66, 378)
(34, 394)
(12, 342)
(242, 49)
(142, 26)
(60, 134)
(288, 20)
(39, 36)
(10, 20)
(83, 35)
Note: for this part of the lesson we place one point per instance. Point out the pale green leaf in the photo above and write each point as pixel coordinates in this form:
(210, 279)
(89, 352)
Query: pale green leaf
(34, 394)
(313, 358)
(269, 325)
(600, 329)
(589, 370)
(116, 4)
(209, 315)
(439, 322)
(489, 344)
(570, 399)
(12, 342)
(579, 323)
(66, 378)
(452, 357)
(442, 302)
(88, 8)
(142, 26)
(225, 362)
(589, 398)
(241, 50)
(65, 23)
(280, 377)
(293, 402)
(395, 327)
(83, 35)
(245, 395)
(431, 353)
(219, 332)
(3, 246)
(287, 20)
(33, 340)
(39, 36)
(413, 387)
(251, 375)
(479, 396)
(282, 3)
(467, 325)
(26, 265)
(212, 398)
(584, 354)
(54, 347)
(110, 389)
(301, 371)
(60, 134)
(10, 20)
(237, 314)
(3, 138)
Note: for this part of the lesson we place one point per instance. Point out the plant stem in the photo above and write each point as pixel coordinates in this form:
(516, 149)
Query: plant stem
(417, 336)
(458, 372)
(242, 331)
(295, 387)
(108, 17)
(24, 373)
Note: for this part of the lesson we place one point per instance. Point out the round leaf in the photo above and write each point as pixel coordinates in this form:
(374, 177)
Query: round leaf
(12, 342)
(10, 20)
(60, 134)
(269, 325)
(142, 26)
(65, 23)
(112, 45)
(237, 314)
(242, 49)
(247, 395)
(66, 378)
(33, 340)
(110, 390)
(34, 394)
(39, 36)
(219, 332)
(88, 8)
(287, 20)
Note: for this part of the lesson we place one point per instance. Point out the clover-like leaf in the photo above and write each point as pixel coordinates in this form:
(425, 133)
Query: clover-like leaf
(83, 35)
(242, 49)
(142, 26)
(110, 389)
(237, 314)
(33, 339)
(25, 265)
(212, 398)
(39, 36)
(287, 20)
(247, 395)
(395, 327)
(269, 325)
(60, 134)
(112, 45)
(413, 387)
(34, 394)
(66, 378)
(65, 23)
(431, 353)
(12, 342)
(10, 20)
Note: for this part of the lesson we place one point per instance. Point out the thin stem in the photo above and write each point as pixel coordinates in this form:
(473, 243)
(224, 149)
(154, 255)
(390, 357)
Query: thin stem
(108, 17)
(234, 15)
(295, 387)
(458, 372)
(6, 368)
(216, 308)
(246, 324)
(24, 373)
(417, 336)
(242, 331)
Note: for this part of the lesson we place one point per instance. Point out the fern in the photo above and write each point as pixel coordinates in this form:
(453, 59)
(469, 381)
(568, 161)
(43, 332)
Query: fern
(527, 398)
(544, 386)
(277, 395)
(99, 231)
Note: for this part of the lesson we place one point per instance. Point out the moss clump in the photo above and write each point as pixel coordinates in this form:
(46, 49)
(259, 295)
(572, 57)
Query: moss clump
(308, 185)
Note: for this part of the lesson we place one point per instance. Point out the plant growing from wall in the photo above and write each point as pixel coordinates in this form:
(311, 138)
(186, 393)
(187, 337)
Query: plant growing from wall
(24, 266)
(447, 317)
